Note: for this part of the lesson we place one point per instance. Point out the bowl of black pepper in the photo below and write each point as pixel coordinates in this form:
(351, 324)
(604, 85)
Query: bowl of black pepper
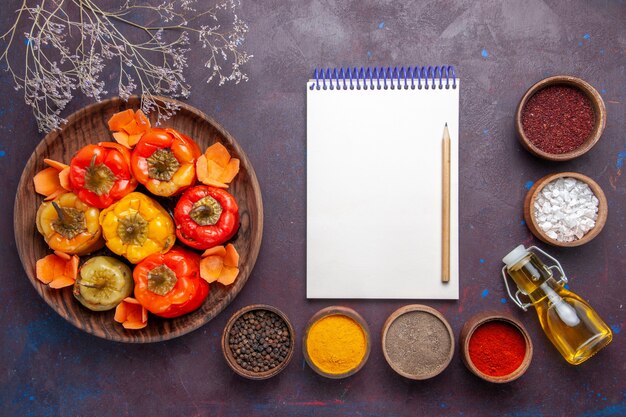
(560, 118)
(258, 341)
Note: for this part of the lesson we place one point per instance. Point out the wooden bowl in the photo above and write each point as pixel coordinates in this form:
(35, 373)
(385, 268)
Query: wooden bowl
(598, 108)
(409, 309)
(89, 125)
(529, 211)
(332, 311)
(478, 320)
(228, 353)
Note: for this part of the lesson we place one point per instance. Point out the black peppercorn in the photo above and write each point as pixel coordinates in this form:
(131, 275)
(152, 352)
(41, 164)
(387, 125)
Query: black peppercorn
(259, 341)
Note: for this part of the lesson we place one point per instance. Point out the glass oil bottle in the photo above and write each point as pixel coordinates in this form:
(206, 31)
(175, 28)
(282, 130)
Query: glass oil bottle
(572, 326)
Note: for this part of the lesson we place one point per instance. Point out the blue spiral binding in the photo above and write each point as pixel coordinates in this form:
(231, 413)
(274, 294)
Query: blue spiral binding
(397, 71)
(430, 74)
(362, 77)
(440, 71)
(419, 71)
(449, 70)
(377, 78)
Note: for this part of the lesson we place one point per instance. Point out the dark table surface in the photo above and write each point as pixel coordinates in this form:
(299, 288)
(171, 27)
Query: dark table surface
(49, 368)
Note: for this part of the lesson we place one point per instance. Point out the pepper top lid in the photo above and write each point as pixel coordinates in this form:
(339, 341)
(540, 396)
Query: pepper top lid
(515, 256)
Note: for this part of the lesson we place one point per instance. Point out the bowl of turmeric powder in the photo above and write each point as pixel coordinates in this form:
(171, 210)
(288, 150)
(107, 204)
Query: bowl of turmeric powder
(336, 342)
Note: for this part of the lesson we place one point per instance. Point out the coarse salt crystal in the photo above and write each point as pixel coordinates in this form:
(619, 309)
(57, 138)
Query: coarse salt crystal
(566, 209)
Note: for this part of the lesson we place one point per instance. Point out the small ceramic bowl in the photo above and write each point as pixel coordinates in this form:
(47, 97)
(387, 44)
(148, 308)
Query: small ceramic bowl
(332, 311)
(478, 320)
(533, 225)
(228, 354)
(413, 346)
(596, 102)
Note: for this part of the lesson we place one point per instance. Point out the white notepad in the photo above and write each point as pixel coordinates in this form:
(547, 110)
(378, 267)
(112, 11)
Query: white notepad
(374, 183)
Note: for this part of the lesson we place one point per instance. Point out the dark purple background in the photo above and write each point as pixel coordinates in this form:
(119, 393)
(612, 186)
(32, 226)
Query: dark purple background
(49, 368)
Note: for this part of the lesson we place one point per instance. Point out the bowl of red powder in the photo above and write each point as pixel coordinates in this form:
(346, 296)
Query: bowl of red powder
(496, 347)
(560, 118)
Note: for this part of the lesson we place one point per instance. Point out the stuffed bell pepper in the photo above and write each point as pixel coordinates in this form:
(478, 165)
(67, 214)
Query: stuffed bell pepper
(69, 225)
(164, 161)
(205, 217)
(100, 174)
(137, 227)
(169, 285)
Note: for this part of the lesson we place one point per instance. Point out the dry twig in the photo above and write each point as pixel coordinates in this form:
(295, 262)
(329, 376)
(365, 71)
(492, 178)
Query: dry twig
(71, 42)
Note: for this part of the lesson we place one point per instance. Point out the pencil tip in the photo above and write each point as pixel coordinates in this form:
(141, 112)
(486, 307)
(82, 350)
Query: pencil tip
(446, 124)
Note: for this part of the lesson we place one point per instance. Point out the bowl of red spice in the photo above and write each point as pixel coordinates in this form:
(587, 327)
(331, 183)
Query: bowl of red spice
(560, 118)
(496, 347)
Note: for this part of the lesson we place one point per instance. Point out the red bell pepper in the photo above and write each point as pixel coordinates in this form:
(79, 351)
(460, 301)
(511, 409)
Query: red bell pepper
(100, 174)
(164, 161)
(169, 284)
(205, 217)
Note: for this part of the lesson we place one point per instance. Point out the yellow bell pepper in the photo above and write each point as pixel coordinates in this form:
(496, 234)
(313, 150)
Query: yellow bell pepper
(69, 225)
(136, 227)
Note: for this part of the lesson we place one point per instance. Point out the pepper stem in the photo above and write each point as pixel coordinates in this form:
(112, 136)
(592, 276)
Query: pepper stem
(162, 164)
(97, 286)
(206, 211)
(161, 280)
(133, 229)
(200, 211)
(60, 212)
(99, 178)
(70, 222)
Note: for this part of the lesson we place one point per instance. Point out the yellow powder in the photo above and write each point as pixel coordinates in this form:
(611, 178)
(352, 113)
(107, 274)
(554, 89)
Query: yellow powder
(336, 344)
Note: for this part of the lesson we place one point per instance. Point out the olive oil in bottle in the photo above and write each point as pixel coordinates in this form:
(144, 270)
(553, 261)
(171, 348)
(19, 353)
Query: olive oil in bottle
(572, 326)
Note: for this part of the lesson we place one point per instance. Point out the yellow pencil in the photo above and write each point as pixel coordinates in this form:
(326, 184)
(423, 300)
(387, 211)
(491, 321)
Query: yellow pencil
(445, 211)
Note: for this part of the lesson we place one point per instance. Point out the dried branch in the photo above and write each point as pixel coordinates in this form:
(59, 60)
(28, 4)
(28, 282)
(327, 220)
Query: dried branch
(64, 54)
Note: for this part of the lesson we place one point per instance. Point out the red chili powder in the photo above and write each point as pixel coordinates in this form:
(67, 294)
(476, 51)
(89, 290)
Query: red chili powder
(497, 348)
(558, 119)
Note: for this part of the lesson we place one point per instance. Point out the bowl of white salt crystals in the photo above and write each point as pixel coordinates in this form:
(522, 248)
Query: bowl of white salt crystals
(565, 209)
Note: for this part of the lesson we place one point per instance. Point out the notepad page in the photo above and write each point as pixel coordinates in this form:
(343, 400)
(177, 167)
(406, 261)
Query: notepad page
(374, 193)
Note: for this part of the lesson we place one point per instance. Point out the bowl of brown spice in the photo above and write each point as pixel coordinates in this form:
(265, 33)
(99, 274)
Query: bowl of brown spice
(560, 118)
(417, 342)
(258, 341)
